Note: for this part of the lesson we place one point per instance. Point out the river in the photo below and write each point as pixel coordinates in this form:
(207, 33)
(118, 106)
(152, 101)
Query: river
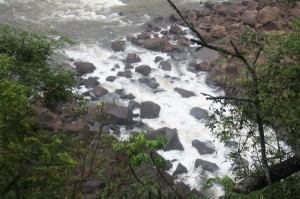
(94, 24)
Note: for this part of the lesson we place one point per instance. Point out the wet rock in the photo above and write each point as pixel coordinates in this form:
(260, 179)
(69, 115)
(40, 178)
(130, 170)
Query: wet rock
(168, 165)
(184, 93)
(127, 96)
(198, 113)
(203, 148)
(118, 46)
(119, 91)
(91, 82)
(157, 59)
(99, 91)
(83, 68)
(135, 41)
(175, 29)
(132, 58)
(149, 82)
(127, 74)
(183, 41)
(206, 165)
(165, 65)
(144, 35)
(132, 105)
(143, 69)
(110, 78)
(119, 115)
(139, 124)
(172, 136)
(153, 44)
(180, 169)
(268, 14)
(149, 110)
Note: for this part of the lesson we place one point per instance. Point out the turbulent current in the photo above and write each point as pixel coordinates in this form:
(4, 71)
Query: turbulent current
(94, 24)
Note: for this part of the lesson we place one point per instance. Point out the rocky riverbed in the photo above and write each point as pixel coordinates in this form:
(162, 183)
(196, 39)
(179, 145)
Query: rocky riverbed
(169, 53)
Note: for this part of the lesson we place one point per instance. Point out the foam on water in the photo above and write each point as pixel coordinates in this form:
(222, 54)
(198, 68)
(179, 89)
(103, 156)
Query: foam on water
(174, 109)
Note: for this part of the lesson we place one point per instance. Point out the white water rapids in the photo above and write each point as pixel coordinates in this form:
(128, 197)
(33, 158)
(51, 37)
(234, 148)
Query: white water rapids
(94, 24)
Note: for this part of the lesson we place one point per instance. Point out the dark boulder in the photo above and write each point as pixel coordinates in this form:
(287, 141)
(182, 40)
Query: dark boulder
(143, 69)
(149, 82)
(153, 44)
(206, 165)
(84, 68)
(110, 78)
(119, 115)
(175, 29)
(144, 35)
(149, 110)
(198, 113)
(157, 59)
(91, 82)
(132, 58)
(180, 169)
(99, 91)
(184, 93)
(172, 136)
(127, 96)
(127, 74)
(203, 147)
(166, 66)
(118, 45)
(133, 105)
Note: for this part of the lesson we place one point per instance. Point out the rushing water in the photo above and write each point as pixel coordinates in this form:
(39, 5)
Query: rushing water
(94, 24)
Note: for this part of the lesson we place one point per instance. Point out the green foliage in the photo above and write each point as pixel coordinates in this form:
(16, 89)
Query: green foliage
(24, 58)
(273, 93)
(137, 144)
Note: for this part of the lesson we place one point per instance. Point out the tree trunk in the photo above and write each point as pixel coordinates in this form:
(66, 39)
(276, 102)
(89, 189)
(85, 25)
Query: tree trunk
(277, 172)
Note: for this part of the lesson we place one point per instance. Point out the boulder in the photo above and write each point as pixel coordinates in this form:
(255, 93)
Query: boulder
(172, 136)
(249, 17)
(184, 93)
(198, 113)
(99, 91)
(143, 69)
(127, 74)
(110, 78)
(149, 110)
(149, 82)
(180, 169)
(119, 115)
(203, 148)
(218, 31)
(132, 58)
(127, 96)
(183, 41)
(206, 165)
(144, 35)
(268, 14)
(175, 29)
(83, 68)
(165, 65)
(91, 82)
(202, 66)
(209, 4)
(118, 46)
(157, 59)
(135, 41)
(153, 44)
(133, 105)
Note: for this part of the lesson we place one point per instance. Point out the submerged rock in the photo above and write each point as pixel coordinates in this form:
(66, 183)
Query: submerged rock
(198, 113)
